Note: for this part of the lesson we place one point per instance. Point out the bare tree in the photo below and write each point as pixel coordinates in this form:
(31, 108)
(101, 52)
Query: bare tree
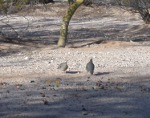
(73, 6)
(142, 6)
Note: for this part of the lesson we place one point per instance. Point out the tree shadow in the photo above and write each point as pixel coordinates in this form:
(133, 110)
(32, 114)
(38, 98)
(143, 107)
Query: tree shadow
(82, 31)
(75, 97)
(80, 34)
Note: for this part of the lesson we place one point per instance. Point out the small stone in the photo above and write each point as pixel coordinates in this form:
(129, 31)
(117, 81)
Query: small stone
(45, 102)
(32, 81)
(42, 94)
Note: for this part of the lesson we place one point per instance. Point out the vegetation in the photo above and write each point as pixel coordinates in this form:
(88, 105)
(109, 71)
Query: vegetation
(7, 5)
(142, 6)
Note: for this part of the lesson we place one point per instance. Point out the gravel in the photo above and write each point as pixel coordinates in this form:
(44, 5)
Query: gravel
(109, 59)
(31, 85)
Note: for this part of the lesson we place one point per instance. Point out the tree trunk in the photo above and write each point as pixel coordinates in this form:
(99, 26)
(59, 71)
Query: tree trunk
(65, 23)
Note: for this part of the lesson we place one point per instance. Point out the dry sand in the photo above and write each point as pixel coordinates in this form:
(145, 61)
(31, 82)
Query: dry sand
(31, 86)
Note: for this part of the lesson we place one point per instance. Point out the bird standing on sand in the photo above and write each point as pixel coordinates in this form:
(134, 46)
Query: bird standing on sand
(63, 66)
(90, 67)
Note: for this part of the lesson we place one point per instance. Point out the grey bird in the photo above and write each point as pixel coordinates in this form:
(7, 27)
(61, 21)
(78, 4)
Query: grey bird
(63, 66)
(90, 67)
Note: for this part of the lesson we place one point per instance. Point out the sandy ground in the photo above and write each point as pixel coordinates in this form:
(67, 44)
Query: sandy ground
(31, 85)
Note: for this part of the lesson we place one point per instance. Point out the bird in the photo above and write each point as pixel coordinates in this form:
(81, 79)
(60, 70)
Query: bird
(63, 66)
(90, 67)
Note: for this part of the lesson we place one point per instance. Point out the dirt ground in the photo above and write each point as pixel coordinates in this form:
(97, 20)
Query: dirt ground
(32, 86)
